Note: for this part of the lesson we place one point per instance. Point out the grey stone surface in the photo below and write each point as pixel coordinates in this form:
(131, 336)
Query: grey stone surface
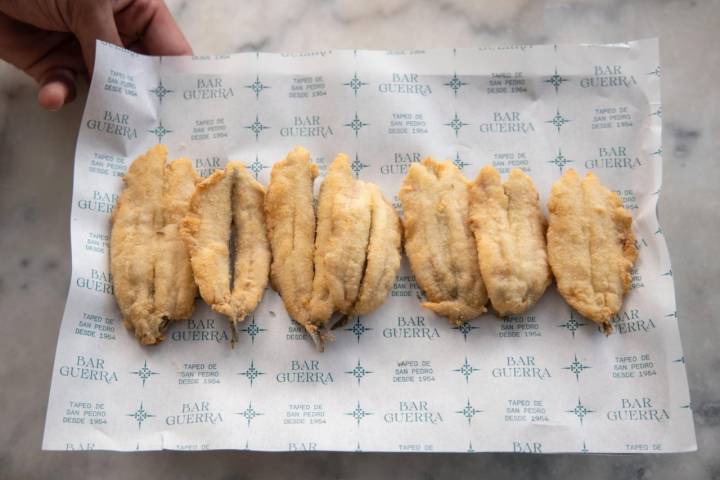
(36, 158)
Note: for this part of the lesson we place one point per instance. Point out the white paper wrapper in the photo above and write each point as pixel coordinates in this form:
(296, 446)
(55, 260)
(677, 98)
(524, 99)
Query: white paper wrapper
(401, 379)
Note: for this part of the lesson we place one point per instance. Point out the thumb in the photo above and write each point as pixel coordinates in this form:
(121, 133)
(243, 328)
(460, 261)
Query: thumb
(57, 87)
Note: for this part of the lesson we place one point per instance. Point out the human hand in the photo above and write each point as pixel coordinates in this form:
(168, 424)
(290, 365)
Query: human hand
(53, 41)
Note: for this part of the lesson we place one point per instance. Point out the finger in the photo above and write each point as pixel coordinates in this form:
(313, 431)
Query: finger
(23, 45)
(150, 25)
(57, 89)
(53, 59)
(92, 20)
(44, 14)
(88, 20)
(64, 55)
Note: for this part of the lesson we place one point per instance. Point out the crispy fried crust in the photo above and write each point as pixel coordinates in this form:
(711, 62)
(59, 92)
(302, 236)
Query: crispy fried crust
(350, 264)
(509, 231)
(149, 265)
(383, 256)
(290, 215)
(252, 249)
(439, 242)
(206, 231)
(341, 245)
(591, 246)
(175, 288)
(229, 198)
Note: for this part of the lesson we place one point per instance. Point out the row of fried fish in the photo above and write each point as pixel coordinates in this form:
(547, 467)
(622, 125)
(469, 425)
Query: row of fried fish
(470, 242)
(467, 242)
(172, 231)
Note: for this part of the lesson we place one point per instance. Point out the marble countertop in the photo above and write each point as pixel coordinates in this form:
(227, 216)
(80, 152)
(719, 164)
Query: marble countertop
(36, 158)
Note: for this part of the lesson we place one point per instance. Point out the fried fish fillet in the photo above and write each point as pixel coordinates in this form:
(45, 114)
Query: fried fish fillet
(175, 288)
(591, 246)
(252, 248)
(152, 279)
(228, 198)
(206, 231)
(509, 232)
(439, 242)
(350, 264)
(383, 255)
(341, 244)
(290, 213)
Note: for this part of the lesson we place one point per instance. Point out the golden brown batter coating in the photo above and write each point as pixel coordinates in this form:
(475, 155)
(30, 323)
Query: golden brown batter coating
(350, 264)
(509, 231)
(206, 230)
(252, 248)
(290, 214)
(439, 242)
(175, 288)
(343, 233)
(591, 246)
(228, 198)
(149, 264)
(383, 256)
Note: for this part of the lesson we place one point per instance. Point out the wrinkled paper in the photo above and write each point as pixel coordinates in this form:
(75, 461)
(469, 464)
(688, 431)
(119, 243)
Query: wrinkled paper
(400, 379)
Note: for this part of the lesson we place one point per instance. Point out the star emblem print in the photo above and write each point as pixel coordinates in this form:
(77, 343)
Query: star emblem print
(359, 372)
(468, 411)
(257, 127)
(458, 161)
(556, 80)
(253, 330)
(580, 411)
(140, 415)
(576, 367)
(357, 166)
(160, 131)
(456, 124)
(249, 413)
(144, 373)
(573, 324)
(257, 166)
(465, 328)
(455, 83)
(257, 86)
(466, 370)
(358, 329)
(359, 413)
(160, 91)
(355, 83)
(356, 124)
(252, 373)
(558, 120)
(560, 160)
